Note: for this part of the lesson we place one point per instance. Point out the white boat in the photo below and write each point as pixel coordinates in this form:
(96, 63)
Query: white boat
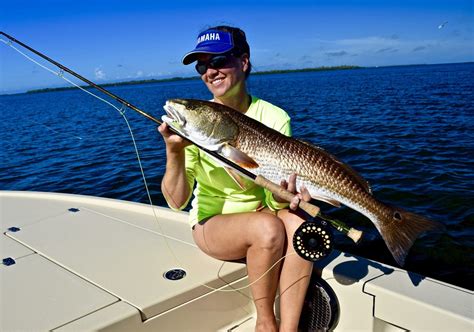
(81, 263)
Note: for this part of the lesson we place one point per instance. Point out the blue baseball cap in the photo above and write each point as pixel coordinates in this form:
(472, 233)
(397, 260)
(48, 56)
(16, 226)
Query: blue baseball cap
(211, 41)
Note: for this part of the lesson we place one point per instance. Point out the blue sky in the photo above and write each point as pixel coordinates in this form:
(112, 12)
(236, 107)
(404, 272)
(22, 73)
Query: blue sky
(109, 41)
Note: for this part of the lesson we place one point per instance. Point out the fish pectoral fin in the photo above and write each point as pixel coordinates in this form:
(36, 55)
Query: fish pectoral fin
(328, 200)
(236, 177)
(237, 156)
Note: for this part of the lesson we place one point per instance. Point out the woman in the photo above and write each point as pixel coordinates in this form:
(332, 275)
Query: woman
(231, 217)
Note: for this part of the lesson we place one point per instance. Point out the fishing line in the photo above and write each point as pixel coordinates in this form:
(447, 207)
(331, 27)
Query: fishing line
(54, 130)
(121, 111)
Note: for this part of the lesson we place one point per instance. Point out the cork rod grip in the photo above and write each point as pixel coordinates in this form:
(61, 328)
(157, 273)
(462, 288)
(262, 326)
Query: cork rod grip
(277, 190)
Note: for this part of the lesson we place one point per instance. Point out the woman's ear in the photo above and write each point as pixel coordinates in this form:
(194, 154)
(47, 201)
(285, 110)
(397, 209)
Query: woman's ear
(244, 58)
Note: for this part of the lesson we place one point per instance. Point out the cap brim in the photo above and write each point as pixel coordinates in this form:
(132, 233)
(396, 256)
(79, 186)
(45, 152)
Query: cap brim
(214, 49)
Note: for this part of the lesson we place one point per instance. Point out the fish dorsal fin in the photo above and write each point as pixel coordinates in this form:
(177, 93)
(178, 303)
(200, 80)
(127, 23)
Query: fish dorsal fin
(237, 156)
(360, 180)
(363, 182)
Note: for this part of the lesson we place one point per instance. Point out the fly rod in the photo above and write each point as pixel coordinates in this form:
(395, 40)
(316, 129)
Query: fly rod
(311, 209)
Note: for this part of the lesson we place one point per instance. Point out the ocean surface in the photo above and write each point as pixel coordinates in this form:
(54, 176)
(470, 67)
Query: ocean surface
(408, 130)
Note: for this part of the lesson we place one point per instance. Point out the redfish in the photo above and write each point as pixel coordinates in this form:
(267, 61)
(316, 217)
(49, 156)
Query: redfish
(268, 153)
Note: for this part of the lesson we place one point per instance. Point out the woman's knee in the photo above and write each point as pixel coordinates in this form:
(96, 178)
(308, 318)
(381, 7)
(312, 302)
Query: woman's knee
(290, 220)
(270, 232)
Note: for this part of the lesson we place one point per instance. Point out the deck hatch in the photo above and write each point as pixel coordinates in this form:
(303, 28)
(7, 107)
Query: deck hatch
(127, 261)
(38, 295)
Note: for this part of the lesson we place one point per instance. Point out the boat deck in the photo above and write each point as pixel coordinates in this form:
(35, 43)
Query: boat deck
(86, 263)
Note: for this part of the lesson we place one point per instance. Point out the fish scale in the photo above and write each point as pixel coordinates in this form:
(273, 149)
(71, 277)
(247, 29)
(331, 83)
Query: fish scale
(268, 155)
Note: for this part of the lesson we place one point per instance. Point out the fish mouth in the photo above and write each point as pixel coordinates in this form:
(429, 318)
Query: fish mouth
(173, 117)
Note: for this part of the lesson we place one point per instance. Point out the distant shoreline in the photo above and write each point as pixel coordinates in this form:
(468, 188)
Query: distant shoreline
(189, 78)
(173, 79)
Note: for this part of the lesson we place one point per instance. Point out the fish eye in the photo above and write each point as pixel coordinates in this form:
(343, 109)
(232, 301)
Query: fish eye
(397, 216)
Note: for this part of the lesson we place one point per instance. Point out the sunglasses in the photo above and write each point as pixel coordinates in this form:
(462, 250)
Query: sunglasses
(216, 62)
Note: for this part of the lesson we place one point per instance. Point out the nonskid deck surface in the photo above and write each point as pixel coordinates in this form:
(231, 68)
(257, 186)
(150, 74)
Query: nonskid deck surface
(88, 263)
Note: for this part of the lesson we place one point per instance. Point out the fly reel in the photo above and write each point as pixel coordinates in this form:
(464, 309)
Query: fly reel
(313, 240)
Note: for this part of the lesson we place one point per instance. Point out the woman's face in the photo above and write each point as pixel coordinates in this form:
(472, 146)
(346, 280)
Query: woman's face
(227, 81)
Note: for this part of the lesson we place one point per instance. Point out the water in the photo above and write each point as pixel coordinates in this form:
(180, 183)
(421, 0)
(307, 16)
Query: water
(408, 130)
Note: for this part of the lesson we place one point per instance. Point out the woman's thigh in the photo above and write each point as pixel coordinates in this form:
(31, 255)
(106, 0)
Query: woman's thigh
(228, 236)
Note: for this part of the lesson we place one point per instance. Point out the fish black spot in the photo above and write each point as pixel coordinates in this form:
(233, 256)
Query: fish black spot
(397, 216)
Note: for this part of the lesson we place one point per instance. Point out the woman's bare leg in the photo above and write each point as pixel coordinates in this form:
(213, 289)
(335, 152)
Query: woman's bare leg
(258, 236)
(294, 278)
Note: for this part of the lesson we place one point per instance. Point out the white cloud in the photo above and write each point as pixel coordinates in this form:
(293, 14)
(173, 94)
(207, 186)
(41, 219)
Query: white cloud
(99, 73)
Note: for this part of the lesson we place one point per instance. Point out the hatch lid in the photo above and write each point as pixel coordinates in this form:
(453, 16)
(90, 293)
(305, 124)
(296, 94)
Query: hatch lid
(38, 295)
(126, 260)
(438, 306)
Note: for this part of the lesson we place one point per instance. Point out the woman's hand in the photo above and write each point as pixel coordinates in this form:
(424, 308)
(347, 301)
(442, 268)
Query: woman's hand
(174, 143)
(174, 185)
(291, 187)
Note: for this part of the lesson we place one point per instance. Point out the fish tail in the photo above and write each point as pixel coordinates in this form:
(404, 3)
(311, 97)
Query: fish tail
(401, 228)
